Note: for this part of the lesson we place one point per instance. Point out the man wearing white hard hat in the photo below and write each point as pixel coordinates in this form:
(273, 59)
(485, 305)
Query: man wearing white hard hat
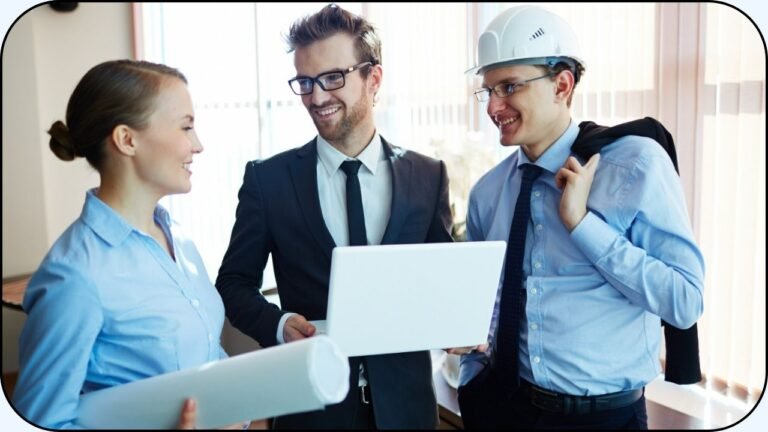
(600, 250)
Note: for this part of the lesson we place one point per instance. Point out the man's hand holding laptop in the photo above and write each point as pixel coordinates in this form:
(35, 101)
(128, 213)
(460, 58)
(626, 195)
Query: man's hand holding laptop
(296, 328)
(465, 350)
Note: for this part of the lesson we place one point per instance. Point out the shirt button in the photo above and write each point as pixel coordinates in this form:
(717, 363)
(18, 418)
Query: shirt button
(210, 338)
(537, 264)
(195, 302)
(533, 290)
(539, 227)
(537, 194)
(534, 326)
(536, 359)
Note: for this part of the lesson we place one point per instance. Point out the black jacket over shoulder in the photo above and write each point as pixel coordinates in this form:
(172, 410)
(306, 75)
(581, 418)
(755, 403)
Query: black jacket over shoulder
(682, 345)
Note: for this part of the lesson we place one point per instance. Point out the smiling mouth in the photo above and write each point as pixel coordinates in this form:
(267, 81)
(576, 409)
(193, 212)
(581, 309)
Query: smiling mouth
(186, 166)
(327, 112)
(508, 121)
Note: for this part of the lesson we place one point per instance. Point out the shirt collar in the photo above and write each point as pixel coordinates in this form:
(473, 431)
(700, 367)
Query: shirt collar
(331, 159)
(555, 156)
(108, 224)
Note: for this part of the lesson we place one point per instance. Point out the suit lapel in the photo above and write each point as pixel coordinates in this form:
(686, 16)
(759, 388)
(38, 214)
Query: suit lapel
(401, 178)
(304, 175)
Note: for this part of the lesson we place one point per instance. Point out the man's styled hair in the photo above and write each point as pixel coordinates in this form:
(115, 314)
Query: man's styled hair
(333, 19)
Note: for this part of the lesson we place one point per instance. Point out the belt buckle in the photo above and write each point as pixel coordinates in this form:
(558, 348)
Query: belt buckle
(546, 400)
(363, 390)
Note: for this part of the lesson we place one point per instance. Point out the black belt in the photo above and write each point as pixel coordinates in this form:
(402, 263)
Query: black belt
(567, 404)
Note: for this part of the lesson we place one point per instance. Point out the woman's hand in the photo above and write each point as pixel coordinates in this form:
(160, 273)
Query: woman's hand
(188, 419)
(188, 416)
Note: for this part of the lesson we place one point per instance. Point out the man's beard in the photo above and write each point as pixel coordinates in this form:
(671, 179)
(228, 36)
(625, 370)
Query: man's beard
(339, 132)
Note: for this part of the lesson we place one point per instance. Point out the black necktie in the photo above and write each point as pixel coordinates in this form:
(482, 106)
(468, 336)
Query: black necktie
(512, 305)
(355, 216)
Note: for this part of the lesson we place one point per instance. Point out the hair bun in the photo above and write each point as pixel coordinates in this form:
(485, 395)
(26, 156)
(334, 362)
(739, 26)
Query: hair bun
(61, 141)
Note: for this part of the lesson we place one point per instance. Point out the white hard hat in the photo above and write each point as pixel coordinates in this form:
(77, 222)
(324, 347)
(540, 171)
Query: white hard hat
(526, 35)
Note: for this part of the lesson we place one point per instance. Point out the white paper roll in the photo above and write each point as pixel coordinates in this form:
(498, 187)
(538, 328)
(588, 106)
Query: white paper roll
(296, 377)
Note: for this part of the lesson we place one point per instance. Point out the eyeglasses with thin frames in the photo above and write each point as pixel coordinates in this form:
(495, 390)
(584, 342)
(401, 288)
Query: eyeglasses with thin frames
(327, 81)
(503, 90)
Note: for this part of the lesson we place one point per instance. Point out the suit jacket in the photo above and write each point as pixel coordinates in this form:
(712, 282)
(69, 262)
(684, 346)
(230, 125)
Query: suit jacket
(279, 213)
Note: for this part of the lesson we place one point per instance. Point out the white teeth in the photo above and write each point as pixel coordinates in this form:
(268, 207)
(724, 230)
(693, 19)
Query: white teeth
(508, 121)
(328, 111)
(186, 165)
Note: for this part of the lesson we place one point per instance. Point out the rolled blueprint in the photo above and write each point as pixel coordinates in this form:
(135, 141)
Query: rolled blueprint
(296, 377)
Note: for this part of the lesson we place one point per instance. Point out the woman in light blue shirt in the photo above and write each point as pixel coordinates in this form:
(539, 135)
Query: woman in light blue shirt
(122, 295)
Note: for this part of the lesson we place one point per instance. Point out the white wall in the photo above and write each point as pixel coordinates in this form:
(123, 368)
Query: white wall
(24, 228)
(45, 54)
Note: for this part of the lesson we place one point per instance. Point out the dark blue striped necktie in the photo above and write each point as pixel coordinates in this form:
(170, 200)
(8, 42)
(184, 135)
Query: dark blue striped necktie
(355, 215)
(512, 305)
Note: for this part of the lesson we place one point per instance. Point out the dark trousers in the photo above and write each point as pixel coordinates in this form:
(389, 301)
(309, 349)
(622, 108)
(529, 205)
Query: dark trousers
(352, 413)
(483, 407)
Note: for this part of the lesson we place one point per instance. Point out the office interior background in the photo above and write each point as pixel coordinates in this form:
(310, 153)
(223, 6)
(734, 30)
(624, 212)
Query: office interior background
(699, 68)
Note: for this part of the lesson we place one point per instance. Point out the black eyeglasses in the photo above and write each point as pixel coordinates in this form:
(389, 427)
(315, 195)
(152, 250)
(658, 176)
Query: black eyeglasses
(327, 81)
(503, 90)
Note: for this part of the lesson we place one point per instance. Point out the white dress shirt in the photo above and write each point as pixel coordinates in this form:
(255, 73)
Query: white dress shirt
(375, 187)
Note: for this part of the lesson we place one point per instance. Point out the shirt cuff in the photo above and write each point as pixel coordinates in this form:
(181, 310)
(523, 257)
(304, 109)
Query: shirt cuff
(280, 326)
(594, 237)
(471, 364)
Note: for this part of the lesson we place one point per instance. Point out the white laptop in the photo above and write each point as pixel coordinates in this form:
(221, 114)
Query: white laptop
(400, 298)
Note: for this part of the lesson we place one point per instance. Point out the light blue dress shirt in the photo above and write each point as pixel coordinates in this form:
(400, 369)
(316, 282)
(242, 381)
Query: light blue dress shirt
(595, 295)
(108, 306)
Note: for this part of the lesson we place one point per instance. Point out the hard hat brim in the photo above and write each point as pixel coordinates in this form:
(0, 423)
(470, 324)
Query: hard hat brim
(536, 61)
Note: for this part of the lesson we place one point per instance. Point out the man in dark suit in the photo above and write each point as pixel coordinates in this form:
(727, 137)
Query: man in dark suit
(295, 207)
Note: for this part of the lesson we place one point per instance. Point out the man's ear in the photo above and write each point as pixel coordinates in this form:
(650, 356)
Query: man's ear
(124, 140)
(564, 84)
(375, 76)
